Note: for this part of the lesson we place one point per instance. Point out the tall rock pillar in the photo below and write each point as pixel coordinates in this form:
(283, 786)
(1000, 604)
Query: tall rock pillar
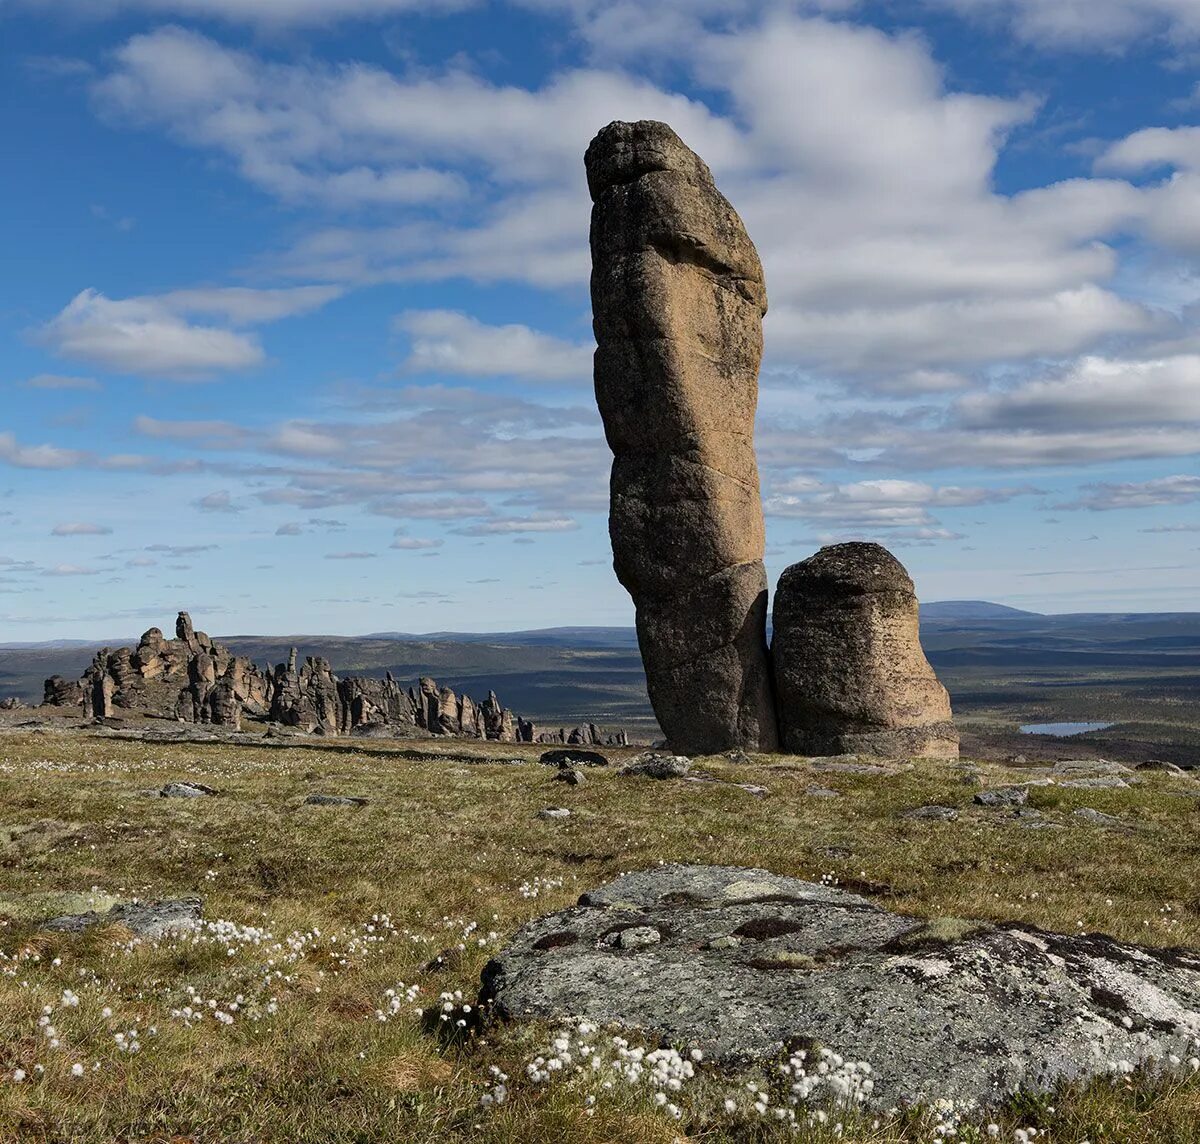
(677, 304)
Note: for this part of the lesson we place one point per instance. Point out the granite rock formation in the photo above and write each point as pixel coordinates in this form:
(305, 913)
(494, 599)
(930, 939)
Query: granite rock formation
(196, 680)
(59, 692)
(746, 964)
(850, 675)
(677, 302)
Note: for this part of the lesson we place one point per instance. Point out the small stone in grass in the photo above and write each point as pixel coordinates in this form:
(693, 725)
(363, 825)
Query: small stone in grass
(932, 813)
(1096, 817)
(657, 765)
(1003, 796)
(572, 776)
(573, 757)
(334, 800)
(186, 790)
(552, 812)
(821, 792)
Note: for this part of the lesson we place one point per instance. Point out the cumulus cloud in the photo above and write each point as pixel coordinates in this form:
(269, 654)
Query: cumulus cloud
(142, 336)
(220, 501)
(81, 528)
(12, 452)
(153, 336)
(445, 341)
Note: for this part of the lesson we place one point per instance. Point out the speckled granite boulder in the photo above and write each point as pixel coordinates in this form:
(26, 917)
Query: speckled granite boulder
(746, 962)
(850, 675)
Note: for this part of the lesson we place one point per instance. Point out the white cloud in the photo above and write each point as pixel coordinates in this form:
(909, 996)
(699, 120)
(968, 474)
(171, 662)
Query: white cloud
(62, 381)
(413, 543)
(12, 452)
(242, 305)
(81, 528)
(884, 504)
(220, 501)
(1104, 496)
(508, 526)
(215, 433)
(350, 555)
(70, 570)
(151, 335)
(446, 341)
(1086, 23)
(138, 335)
(1094, 392)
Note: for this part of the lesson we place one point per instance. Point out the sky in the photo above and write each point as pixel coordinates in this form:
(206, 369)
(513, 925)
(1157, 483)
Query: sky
(295, 328)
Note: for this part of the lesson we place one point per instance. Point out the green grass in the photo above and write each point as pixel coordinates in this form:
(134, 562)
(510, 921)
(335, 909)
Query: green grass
(443, 851)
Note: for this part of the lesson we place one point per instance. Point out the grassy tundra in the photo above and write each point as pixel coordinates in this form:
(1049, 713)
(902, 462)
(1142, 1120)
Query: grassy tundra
(293, 1014)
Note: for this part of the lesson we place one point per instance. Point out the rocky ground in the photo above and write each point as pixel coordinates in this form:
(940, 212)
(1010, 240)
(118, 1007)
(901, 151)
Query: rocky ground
(317, 915)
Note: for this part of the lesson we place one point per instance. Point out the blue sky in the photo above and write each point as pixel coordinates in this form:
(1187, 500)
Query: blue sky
(295, 322)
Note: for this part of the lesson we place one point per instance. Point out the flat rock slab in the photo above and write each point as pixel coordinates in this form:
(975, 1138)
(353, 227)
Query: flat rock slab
(146, 919)
(747, 962)
(932, 813)
(186, 790)
(334, 800)
(1097, 817)
(1003, 796)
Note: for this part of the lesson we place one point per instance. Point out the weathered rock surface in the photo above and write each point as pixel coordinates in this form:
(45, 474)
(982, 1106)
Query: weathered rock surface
(656, 765)
(59, 692)
(850, 675)
(677, 304)
(931, 813)
(186, 789)
(1011, 796)
(146, 919)
(747, 962)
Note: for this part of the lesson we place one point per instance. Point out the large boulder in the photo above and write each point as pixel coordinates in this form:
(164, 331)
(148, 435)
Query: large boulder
(677, 303)
(746, 964)
(850, 675)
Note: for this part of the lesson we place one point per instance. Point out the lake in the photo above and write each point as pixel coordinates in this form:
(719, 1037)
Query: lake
(1062, 730)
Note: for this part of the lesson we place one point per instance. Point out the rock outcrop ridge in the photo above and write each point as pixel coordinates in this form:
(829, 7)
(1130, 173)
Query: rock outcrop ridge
(677, 303)
(194, 679)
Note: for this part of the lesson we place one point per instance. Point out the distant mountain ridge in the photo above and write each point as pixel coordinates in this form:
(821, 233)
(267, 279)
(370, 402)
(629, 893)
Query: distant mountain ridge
(971, 610)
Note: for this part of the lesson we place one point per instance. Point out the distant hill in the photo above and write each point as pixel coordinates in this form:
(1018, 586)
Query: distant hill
(970, 610)
(582, 637)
